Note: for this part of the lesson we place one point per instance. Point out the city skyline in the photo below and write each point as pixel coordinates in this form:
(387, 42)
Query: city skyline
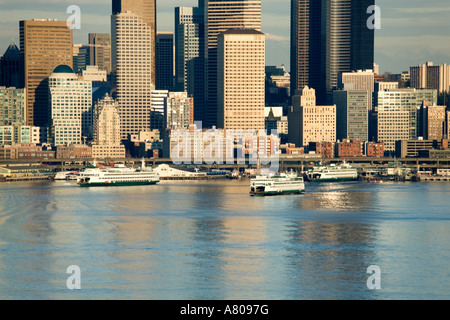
(405, 24)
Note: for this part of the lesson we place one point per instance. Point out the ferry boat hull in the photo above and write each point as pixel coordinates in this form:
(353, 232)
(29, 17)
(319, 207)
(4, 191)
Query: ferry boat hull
(276, 193)
(118, 184)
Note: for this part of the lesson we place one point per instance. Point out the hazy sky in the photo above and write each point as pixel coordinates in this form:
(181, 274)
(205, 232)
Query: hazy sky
(413, 31)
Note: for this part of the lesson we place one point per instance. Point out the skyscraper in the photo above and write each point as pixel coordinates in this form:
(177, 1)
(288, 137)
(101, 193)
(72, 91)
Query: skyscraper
(10, 67)
(71, 106)
(328, 37)
(241, 79)
(164, 61)
(44, 45)
(100, 56)
(189, 55)
(221, 16)
(133, 35)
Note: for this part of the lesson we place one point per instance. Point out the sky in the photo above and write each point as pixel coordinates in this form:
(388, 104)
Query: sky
(412, 31)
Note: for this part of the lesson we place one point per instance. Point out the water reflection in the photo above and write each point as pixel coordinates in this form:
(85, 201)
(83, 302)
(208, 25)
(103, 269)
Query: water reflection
(331, 256)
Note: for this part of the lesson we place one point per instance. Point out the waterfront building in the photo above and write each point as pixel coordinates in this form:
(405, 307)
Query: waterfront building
(417, 147)
(189, 56)
(348, 148)
(324, 149)
(309, 122)
(164, 61)
(19, 133)
(352, 117)
(431, 121)
(133, 36)
(10, 67)
(221, 16)
(374, 149)
(25, 151)
(107, 137)
(71, 107)
(73, 151)
(397, 114)
(100, 55)
(44, 45)
(429, 76)
(12, 106)
(240, 79)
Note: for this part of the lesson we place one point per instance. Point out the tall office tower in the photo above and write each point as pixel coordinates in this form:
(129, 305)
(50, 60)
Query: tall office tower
(100, 44)
(328, 37)
(10, 67)
(178, 111)
(81, 57)
(12, 106)
(221, 16)
(241, 79)
(429, 76)
(189, 55)
(44, 45)
(164, 61)
(305, 44)
(106, 127)
(133, 38)
(158, 98)
(352, 120)
(309, 122)
(431, 121)
(71, 107)
(397, 114)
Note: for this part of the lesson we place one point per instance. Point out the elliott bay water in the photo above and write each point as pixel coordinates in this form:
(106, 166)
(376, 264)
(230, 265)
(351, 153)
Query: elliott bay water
(210, 240)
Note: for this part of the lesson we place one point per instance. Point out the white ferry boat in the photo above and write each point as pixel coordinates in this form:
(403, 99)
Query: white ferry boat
(263, 185)
(167, 172)
(118, 176)
(331, 173)
(66, 175)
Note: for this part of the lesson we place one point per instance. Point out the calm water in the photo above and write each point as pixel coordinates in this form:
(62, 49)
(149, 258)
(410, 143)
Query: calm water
(211, 240)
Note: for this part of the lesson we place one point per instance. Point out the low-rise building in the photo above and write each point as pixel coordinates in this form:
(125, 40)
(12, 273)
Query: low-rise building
(415, 148)
(374, 149)
(325, 149)
(73, 151)
(348, 148)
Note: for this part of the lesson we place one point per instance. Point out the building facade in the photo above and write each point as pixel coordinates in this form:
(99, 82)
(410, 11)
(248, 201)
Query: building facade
(71, 107)
(100, 56)
(221, 16)
(17, 133)
(107, 137)
(178, 111)
(44, 45)
(352, 116)
(133, 35)
(241, 79)
(429, 76)
(309, 122)
(397, 114)
(189, 55)
(165, 61)
(12, 106)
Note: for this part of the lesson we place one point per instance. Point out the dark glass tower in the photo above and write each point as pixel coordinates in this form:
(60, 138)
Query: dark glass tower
(10, 67)
(328, 37)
